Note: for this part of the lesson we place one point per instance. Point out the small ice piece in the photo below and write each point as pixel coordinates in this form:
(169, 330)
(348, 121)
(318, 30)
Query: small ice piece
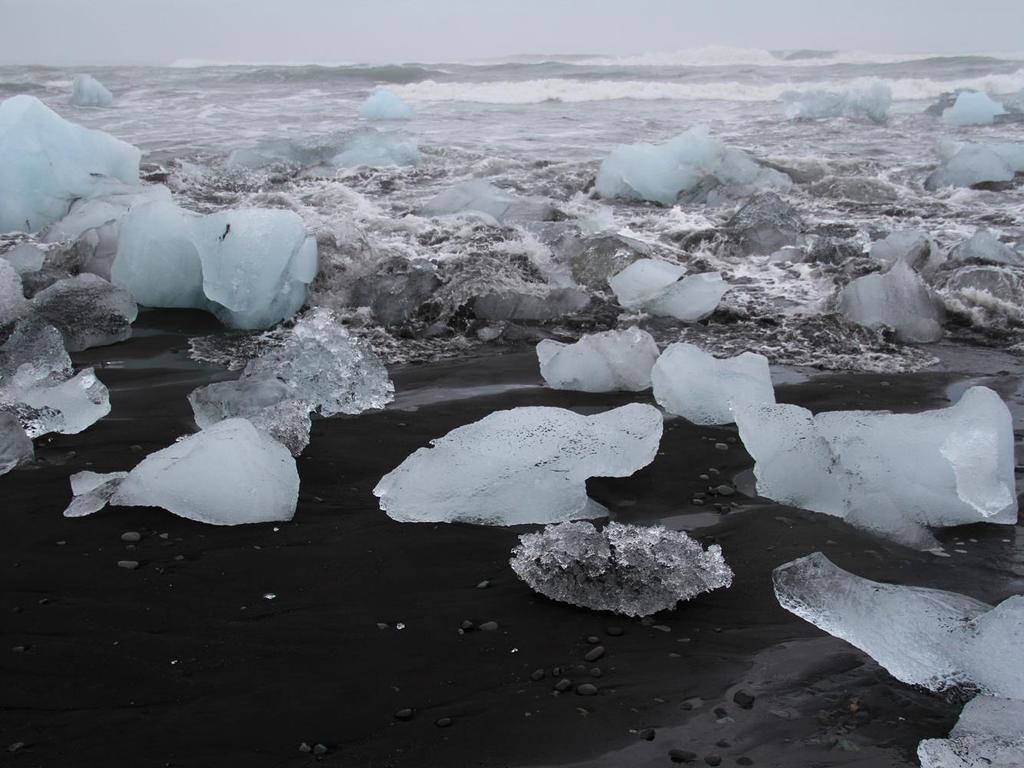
(87, 310)
(92, 492)
(973, 108)
(319, 367)
(702, 388)
(643, 282)
(595, 258)
(988, 734)
(375, 149)
(692, 162)
(228, 474)
(87, 91)
(601, 362)
(892, 474)
(539, 305)
(396, 290)
(384, 105)
(911, 246)
(46, 163)
(524, 465)
(15, 445)
(25, 257)
(654, 286)
(765, 224)
(495, 205)
(872, 103)
(984, 246)
(927, 637)
(13, 303)
(632, 570)
(968, 165)
(899, 299)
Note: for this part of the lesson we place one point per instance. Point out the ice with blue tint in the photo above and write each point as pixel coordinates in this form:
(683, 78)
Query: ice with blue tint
(988, 734)
(493, 205)
(610, 361)
(228, 474)
(872, 103)
(703, 389)
(250, 267)
(365, 147)
(87, 91)
(376, 149)
(893, 474)
(47, 163)
(24, 257)
(524, 465)
(984, 246)
(898, 299)
(973, 108)
(965, 165)
(655, 287)
(384, 105)
(928, 637)
(661, 172)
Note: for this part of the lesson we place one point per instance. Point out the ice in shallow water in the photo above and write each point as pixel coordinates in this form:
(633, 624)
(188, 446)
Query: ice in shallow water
(893, 474)
(654, 286)
(928, 637)
(46, 163)
(702, 388)
(973, 108)
(488, 201)
(384, 105)
(15, 445)
(988, 734)
(600, 362)
(899, 299)
(87, 91)
(87, 310)
(984, 246)
(908, 245)
(965, 165)
(872, 103)
(524, 465)
(628, 569)
(228, 474)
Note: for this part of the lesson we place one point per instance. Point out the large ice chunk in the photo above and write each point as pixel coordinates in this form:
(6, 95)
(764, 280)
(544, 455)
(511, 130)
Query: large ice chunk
(87, 91)
(628, 569)
(87, 310)
(872, 103)
(318, 368)
(229, 474)
(899, 299)
(491, 203)
(927, 637)
(15, 445)
(702, 388)
(46, 163)
(384, 105)
(988, 734)
(973, 108)
(967, 165)
(691, 162)
(654, 286)
(893, 474)
(600, 362)
(525, 465)
(249, 266)
(984, 246)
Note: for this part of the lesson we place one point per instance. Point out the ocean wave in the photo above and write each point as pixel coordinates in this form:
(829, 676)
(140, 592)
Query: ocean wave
(573, 90)
(298, 72)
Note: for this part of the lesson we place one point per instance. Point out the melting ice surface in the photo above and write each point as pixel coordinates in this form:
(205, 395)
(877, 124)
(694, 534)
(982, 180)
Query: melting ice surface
(384, 105)
(87, 91)
(600, 362)
(988, 734)
(87, 310)
(984, 246)
(628, 569)
(893, 474)
(973, 108)
(927, 637)
(964, 165)
(702, 388)
(899, 299)
(228, 474)
(15, 445)
(654, 286)
(524, 465)
(872, 103)
(491, 203)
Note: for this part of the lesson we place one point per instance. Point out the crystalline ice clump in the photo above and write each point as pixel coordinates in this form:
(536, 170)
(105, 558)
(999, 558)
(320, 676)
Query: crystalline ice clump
(601, 362)
(384, 105)
(46, 163)
(692, 161)
(87, 310)
(24, 257)
(893, 474)
(229, 474)
(973, 108)
(872, 103)
(87, 91)
(984, 246)
(250, 267)
(907, 245)
(965, 165)
(524, 465)
(13, 303)
(927, 637)
(627, 569)
(765, 224)
(988, 734)
(15, 445)
(654, 286)
(318, 367)
(898, 299)
(701, 388)
(489, 202)
(367, 146)
(374, 149)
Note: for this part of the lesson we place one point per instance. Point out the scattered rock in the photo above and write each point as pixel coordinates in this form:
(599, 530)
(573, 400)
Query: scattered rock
(594, 653)
(483, 584)
(131, 537)
(443, 722)
(563, 685)
(404, 714)
(712, 760)
(721, 447)
(129, 565)
(681, 756)
(319, 749)
(647, 734)
(743, 699)
(489, 626)
(305, 748)
(725, 490)
(537, 674)
(614, 631)
(586, 689)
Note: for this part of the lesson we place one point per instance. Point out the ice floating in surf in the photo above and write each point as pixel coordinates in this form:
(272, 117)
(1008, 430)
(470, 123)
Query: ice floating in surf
(973, 108)
(601, 362)
(872, 103)
(899, 299)
(481, 198)
(984, 246)
(967, 165)
(384, 105)
(655, 286)
(87, 91)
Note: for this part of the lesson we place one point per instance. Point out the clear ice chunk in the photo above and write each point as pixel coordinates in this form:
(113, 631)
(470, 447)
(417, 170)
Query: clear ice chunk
(24, 257)
(87, 310)
(92, 492)
(984, 246)
(524, 465)
(15, 445)
(87, 91)
(384, 105)
(872, 103)
(13, 303)
(765, 224)
(632, 570)
(987, 735)
(654, 286)
(610, 361)
(899, 299)
(375, 149)
(966, 165)
(491, 203)
(893, 474)
(927, 637)
(702, 388)
(973, 108)
(911, 246)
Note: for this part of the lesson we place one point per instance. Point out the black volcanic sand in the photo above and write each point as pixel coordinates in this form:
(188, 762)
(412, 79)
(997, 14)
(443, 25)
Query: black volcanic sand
(188, 661)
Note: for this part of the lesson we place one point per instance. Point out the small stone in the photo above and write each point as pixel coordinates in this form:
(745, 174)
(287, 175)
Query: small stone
(18, 649)
(483, 584)
(537, 674)
(744, 761)
(443, 722)
(704, 477)
(681, 756)
(721, 712)
(712, 760)
(61, 543)
(165, 536)
(467, 625)
(596, 672)
(404, 714)
(305, 748)
(721, 447)
(615, 631)
(131, 537)
(319, 749)
(593, 639)
(714, 471)
(723, 744)
(586, 689)
(489, 626)
(179, 558)
(594, 653)
(563, 685)
(730, 439)
(743, 700)
(129, 565)
(662, 627)
(698, 502)
(725, 490)
(647, 734)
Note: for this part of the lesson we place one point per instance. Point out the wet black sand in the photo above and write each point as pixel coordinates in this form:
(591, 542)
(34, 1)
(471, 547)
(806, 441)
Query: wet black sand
(186, 662)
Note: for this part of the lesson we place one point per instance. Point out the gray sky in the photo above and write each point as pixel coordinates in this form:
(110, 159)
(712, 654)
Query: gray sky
(70, 32)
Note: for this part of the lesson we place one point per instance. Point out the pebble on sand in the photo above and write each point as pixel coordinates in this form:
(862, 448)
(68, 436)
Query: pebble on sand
(443, 722)
(404, 714)
(489, 626)
(586, 689)
(743, 699)
(594, 653)
(129, 565)
(681, 756)
(131, 537)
